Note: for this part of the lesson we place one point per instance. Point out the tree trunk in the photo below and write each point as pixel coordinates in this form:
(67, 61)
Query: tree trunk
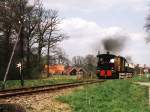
(48, 74)
(28, 53)
(48, 53)
(7, 48)
(39, 54)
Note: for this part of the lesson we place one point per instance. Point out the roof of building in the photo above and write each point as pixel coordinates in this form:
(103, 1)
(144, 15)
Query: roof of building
(70, 69)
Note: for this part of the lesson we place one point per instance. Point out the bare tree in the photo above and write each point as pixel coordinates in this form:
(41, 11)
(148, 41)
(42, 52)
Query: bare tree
(90, 62)
(31, 22)
(42, 27)
(59, 55)
(78, 61)
(53, 34)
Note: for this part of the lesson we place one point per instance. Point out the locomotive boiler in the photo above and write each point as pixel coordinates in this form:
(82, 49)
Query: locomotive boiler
(110, 66)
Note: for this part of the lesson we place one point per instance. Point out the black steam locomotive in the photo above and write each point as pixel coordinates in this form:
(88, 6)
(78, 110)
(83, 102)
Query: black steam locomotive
(110, 66)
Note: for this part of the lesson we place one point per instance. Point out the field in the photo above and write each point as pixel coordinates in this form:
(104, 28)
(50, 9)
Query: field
(11, 84)
(111, 96)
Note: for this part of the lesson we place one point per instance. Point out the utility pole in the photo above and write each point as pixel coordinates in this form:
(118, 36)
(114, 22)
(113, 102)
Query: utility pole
(10, 60)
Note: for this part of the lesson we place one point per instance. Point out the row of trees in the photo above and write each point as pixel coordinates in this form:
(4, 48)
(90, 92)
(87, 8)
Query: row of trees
(34, 29)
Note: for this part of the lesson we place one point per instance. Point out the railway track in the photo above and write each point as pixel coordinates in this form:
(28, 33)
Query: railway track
(31, 90)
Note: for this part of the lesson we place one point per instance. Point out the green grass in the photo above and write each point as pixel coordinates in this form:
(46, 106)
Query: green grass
(11, 84)
(143, 78)
(111, 96)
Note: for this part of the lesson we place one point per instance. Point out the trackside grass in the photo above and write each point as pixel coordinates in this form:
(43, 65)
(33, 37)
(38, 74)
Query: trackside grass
(143, 78)
(110, 96)
(11, 84)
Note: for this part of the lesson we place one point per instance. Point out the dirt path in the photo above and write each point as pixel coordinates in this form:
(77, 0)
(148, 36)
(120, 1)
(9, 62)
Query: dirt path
(44, 102)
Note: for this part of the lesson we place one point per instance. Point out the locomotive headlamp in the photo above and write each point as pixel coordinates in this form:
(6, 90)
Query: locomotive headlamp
(112, 60)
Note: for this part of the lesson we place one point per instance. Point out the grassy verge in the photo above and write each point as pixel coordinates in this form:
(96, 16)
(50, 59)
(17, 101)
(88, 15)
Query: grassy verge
(111, 96)
(143, 78)
(11, 84)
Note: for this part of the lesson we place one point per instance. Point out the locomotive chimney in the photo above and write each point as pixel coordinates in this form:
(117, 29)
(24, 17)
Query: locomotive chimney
(98, 52)
(107, 52)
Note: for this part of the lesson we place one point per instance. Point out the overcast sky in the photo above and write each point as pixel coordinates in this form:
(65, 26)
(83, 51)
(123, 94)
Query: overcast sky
(87, 22)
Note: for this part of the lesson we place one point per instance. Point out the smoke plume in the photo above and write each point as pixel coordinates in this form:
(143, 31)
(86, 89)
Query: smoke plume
(114, 43)
(129, 59)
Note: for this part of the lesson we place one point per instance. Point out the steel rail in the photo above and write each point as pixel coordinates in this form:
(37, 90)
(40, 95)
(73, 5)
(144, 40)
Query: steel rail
(41, 86)
(31, 90)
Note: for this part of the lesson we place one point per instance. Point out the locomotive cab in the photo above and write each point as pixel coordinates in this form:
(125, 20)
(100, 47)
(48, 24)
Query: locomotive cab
(111, 66)
(105, 66)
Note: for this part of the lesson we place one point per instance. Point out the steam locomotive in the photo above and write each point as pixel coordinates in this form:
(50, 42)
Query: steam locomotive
(110, 66)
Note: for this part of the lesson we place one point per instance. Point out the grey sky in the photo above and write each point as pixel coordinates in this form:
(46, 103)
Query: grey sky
(89, 21)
